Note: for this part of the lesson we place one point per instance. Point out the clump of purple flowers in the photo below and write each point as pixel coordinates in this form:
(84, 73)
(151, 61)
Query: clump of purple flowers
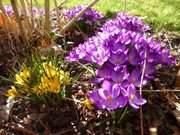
(128, 22)
(90, 17)
(35, 11)
(9, 10)
(88, 22)
(121, 50)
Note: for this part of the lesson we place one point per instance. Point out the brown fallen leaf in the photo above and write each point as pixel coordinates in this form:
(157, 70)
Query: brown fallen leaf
(5, 109)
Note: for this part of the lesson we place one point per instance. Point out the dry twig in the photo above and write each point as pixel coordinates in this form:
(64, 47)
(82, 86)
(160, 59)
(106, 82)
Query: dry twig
(47, 16)
(21, 28)
(142, 77)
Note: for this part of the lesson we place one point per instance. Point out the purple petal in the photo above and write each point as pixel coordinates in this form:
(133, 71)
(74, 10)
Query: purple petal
(114, 104)
(118, 47)
(116, 90)
(133, 57)
(120, 75)
(103, 93)
(140, 101)
(135, 106)
(93, 96)
(165, 57)
(149, 68)
(122, 101)
(107, 85)
(131, 90)
(135, 76)
(104, 72)
(97, 80)
(118, 59)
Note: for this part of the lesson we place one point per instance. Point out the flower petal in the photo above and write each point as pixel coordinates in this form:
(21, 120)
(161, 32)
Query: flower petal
(140, 101)
(135, 106)
(103, 93)
(107, 85)
(122, 101)
(116, 90)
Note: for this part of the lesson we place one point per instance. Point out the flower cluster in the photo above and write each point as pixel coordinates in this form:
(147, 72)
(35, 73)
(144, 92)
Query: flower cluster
(89, 18)
(9, 10)
(23, 78)
(122, 51)
(35, 11)
(12, 92)
(128, 22)
(86, 25)
(52, 80)
(46, 79)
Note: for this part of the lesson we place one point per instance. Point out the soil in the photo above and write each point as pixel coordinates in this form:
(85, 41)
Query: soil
(72, 118)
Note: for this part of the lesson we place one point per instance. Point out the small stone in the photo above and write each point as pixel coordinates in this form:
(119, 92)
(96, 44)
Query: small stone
(26, 120)
(32, 116)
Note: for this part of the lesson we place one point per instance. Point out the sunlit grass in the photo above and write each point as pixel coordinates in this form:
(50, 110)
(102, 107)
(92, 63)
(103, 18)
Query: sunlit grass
(160, 14)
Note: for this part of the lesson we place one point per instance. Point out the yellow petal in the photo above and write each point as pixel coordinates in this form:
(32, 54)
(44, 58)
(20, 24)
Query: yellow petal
(12, 92)
(88, 104)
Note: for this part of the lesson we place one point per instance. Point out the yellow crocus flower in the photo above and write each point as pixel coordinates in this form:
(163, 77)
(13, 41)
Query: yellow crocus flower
(38, 90)
(12, 92)
(23, 77)
(51, 84)
(88, 104)
(49, 69)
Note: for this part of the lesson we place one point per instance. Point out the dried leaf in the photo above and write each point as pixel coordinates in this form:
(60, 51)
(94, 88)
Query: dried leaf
(6, 109)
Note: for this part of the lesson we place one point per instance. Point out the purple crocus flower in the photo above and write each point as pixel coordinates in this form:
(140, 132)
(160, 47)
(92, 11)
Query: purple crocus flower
(36, 11)
(89, 17)
(118, 47)
(123, 20)
(149, 70)
(152, 56)
(93, 50)
(135, 77)
(134, 57)
(105, 71)
(120, 75)
(107, 97)
(133, 23)
(134, 98)
(77, 53)
(119, 58)
(166, 58)
(9, 10)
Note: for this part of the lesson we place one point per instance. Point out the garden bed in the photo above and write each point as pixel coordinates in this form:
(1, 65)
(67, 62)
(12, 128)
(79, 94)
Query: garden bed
(75, 82)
